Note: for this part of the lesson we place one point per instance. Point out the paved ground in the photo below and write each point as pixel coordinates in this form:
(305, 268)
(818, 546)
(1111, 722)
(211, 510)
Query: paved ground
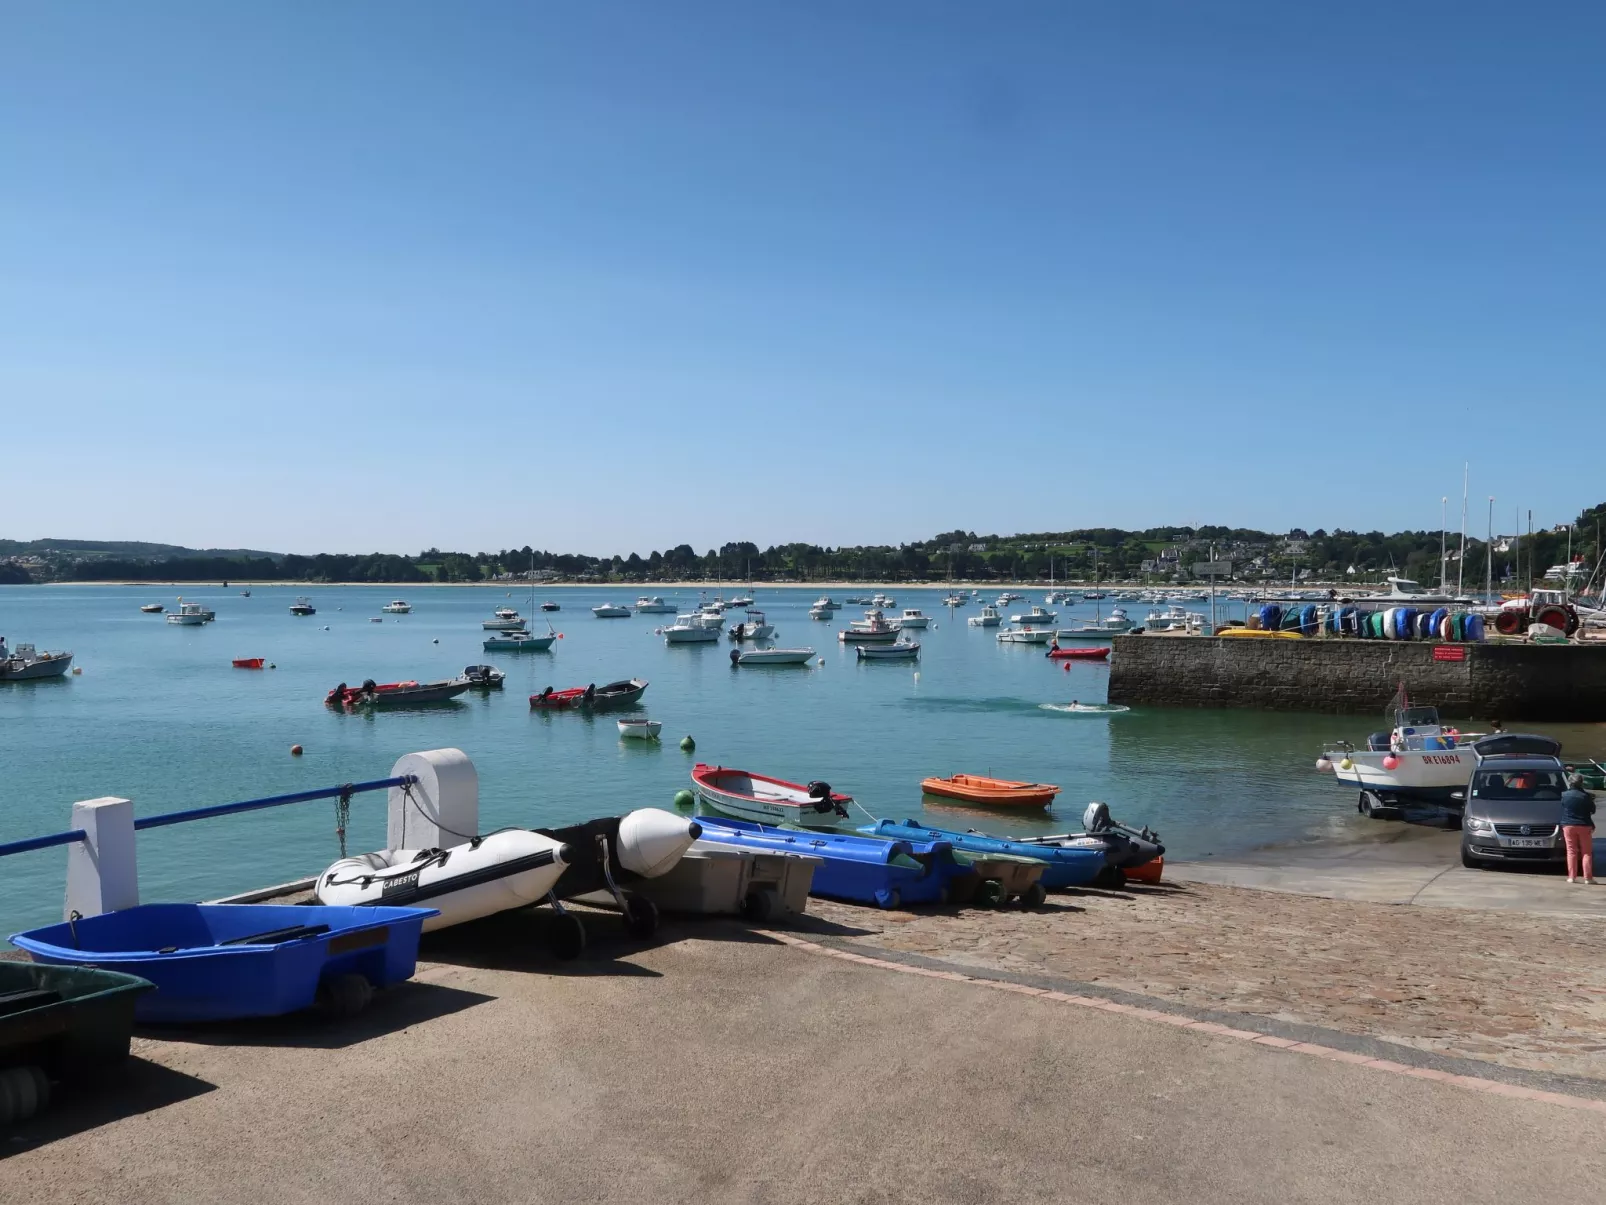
(1389, 862)
(719, 1066)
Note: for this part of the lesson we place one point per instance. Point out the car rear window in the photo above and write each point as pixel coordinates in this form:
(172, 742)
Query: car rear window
(1518, 784)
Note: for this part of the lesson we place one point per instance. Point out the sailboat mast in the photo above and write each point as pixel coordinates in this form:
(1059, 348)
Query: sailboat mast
(1461, 567)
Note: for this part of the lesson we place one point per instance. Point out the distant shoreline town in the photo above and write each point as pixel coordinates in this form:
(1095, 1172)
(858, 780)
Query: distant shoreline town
(1087, 556)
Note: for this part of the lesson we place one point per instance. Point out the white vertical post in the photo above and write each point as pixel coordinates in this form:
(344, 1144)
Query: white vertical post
(102, 871)
(441, 809)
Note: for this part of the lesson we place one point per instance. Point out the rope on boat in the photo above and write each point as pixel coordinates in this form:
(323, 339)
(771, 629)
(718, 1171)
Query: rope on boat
(407, 794)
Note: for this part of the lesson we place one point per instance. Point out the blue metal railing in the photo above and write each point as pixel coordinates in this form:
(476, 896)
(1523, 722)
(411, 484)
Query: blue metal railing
(163, 819)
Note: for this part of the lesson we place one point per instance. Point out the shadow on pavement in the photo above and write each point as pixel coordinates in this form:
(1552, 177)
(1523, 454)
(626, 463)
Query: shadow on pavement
(395, 1008)
(137, 1087)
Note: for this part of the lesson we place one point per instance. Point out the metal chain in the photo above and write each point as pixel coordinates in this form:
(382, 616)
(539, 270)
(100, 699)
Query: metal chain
(342, 816)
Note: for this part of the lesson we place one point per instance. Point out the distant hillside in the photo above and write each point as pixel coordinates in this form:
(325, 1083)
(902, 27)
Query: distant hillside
(91, 549)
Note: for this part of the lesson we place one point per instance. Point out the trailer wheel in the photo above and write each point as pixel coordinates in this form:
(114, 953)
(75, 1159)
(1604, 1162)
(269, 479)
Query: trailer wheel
(641, 916)
(889, 899)
(568, 938)
(24, 1091)
(1034, 896)
(989, 894)
(344, 995)
(1111, 878)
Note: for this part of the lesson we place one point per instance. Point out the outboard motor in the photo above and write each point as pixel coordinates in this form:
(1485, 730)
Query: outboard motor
(1378, 742)
(1096, 817)
(736, 655)
(820, 793)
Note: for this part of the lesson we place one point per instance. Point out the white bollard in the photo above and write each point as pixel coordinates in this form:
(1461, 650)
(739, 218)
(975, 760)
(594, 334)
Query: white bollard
(102, 870)
(441, 809)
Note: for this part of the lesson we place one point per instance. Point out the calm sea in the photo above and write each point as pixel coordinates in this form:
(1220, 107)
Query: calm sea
(160, 716)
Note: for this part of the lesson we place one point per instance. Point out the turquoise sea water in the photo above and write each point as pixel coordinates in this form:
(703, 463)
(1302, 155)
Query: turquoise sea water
(160, 716)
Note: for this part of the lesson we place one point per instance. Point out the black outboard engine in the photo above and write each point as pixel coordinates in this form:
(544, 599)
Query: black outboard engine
(1378, 742)
(820, 793)
(736, 655)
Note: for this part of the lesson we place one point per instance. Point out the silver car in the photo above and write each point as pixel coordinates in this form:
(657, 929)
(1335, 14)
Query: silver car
(1513, 812)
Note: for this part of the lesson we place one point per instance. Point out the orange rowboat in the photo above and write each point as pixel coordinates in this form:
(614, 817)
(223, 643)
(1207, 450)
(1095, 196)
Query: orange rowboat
(997, 792)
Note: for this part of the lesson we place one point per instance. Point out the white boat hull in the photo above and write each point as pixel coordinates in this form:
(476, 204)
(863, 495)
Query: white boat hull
(509, 869)
(640, 730)
(691, 635)
(776, 657)
(763, 811)
(187, 621)
(1417, 772)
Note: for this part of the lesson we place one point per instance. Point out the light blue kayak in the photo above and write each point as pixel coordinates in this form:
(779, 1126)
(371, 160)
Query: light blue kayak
(1067, 867)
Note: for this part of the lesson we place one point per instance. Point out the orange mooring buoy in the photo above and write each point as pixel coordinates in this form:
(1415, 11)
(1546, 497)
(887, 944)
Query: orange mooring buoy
(295, 750)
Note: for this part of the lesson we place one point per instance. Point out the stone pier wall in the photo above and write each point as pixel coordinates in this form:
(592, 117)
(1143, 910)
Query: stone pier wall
(1494, 681)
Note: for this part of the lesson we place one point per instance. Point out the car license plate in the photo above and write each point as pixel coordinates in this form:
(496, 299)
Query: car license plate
(1528, 842)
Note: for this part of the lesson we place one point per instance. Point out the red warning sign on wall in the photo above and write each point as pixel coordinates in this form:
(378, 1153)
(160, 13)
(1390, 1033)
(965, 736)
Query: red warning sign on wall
(1449, 652)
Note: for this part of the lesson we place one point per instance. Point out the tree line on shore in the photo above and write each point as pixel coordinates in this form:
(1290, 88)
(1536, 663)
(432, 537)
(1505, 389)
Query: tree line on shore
(1086, 554)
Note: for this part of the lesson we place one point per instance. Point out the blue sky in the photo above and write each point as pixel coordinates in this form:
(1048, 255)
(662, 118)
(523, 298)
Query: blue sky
(615, 276)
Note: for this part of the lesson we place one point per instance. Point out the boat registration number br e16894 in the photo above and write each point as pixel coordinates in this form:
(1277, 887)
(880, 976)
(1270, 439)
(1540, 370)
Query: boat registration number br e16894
(1528, 842)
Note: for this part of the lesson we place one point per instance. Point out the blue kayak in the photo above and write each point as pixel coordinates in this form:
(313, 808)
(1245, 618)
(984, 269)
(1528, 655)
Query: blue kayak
(862, 869)
(1066, 867)
(216, 962)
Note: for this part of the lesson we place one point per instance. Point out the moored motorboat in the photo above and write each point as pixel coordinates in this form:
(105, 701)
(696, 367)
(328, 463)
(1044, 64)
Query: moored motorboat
(303, 606)
(153, 608)
(1037, 616)
(483, 676)
(872, 629)
(866, 870)
(899, 650)
(614, 694)
(754, 627)
(989, 618)
(611, 611)
(994, 792)
(217, 962)
(510, 868)
(396, 694)
(641, 730)
(695, 628)
(912, 617)
(649, 604)
(26, 663)
(248, 662)
(1066, 866)
(1100, 652)
(1025, 635)
(398, 606)
(189, 615)
(549, 605)
(766, 800)
(504, 619)
(772, 656)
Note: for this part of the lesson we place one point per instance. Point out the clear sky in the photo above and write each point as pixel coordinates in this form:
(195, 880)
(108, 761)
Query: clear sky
(611, 276)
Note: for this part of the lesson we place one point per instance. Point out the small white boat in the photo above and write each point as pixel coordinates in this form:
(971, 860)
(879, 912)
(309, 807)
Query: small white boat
(883, 602)
(398, 607)
(823, 614)
(956, 600)
(913, 617)
(713, 616)
(745, 600)
(1037, 615)
(504, 619)
(512, 868)
(640, 730)
(303, 606)
(772, 656)
(153, 608)
(653, 605)
(549, 605)
(611, 611)
(696, 628)
(1110, 626)
(1025, 635)
(825, 603)
(754, 627)
(989, 618)
(483, 676)
(26, 661)
(872, 629)
(749, 796)
(188, 615)
(902, 650)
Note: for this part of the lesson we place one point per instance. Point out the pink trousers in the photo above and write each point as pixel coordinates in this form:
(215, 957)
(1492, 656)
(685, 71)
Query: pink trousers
(1580, 839)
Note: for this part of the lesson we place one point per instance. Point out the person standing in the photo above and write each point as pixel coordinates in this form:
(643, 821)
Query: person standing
(1578, 829)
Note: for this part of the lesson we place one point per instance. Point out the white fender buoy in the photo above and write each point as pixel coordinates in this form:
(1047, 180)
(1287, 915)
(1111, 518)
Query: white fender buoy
(651, 840)
(1323, 764)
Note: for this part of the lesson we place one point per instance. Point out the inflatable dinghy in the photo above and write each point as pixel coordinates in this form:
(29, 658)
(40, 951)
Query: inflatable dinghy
(613, 850)
(1086, 708)
(1126, 849)
(510, 868)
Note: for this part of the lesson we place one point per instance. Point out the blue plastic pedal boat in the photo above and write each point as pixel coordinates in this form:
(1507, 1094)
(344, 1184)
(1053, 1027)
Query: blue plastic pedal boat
(862, 869)
(216, 962)
(1067, 867)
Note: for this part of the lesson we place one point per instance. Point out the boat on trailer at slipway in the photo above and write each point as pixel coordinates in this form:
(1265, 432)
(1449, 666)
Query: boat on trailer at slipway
(1418, 761)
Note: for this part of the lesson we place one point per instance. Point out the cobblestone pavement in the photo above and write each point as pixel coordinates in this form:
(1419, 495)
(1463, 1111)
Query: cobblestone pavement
(1524, 991)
